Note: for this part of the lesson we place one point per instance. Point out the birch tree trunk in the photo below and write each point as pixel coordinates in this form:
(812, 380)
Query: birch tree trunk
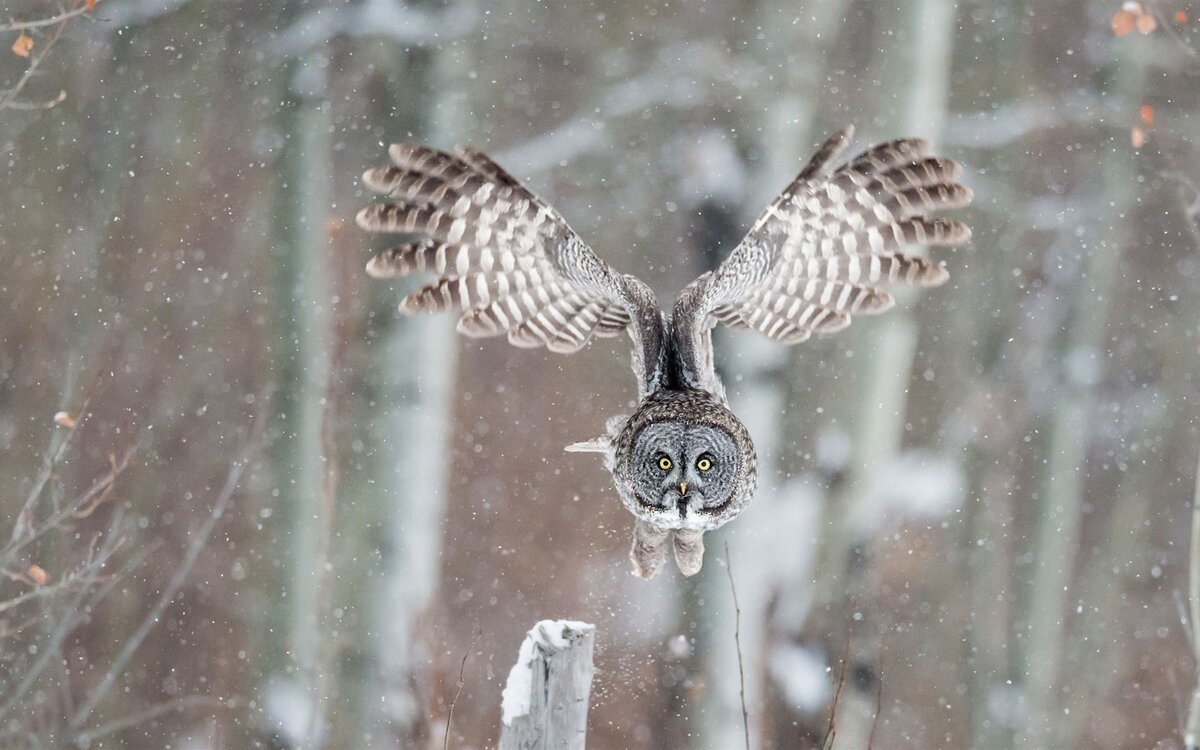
(1191, 732)
(414, 423)
(1058, 524)
(413, 360)
(305, 337)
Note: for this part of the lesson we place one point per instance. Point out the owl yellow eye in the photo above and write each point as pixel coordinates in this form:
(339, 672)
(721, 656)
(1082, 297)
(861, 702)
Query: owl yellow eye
(704, 464)
(664, 463)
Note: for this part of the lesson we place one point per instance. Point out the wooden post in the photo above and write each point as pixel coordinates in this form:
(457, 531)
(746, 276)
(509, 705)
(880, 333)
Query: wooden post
(545, 701)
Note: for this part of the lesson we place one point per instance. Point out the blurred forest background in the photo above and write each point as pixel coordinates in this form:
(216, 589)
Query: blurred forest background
(247, 505)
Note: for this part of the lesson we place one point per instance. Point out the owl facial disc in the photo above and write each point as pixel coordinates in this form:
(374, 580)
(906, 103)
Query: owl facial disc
(683, 474)
(683, 464)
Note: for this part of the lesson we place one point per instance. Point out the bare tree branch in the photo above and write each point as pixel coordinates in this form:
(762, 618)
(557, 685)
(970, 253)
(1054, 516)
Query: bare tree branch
(25, 531)
(57, 24)
(831, 728)
(8, 98)
(737, 642)
(150, 712)
(42, 23)
(878, 697)
(458, 690)
(199, 542)
(84, 600)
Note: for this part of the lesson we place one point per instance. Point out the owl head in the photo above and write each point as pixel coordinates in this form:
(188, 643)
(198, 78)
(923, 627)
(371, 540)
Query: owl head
(683, 464)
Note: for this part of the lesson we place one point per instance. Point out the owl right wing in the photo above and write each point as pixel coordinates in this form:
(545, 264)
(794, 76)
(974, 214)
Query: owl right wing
(827, 248)
(506, 261)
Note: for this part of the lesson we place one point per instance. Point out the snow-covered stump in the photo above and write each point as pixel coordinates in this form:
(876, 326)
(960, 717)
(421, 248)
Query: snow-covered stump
(545, 701)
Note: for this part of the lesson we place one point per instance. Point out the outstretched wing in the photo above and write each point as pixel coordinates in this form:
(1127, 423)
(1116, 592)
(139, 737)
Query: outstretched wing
(827, 248)
(506, 261)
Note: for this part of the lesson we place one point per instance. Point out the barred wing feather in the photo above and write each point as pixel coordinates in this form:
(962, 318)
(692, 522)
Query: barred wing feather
(834, 241)
(503, 259)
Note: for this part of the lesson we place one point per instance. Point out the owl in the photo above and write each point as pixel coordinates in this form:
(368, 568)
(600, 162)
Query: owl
(827, 248)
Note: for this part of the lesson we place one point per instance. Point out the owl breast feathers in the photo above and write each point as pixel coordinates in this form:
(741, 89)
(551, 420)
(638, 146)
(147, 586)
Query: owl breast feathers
(827, 248)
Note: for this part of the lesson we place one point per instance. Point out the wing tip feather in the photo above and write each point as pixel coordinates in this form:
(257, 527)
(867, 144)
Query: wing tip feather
(371, 178)
(365, 217)
(938, 274)
(398, 152)
(378, 267)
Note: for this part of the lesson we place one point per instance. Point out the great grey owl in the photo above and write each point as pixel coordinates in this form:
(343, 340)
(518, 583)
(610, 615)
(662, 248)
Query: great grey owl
(683, 464)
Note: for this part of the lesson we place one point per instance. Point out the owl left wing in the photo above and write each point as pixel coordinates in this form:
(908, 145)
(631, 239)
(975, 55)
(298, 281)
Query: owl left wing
(827, 248)
(506, 261)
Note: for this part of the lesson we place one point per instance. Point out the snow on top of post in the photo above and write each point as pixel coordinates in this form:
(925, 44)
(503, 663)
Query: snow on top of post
(550, 636)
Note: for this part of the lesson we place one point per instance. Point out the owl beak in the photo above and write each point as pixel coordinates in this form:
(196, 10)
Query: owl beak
(683, 488)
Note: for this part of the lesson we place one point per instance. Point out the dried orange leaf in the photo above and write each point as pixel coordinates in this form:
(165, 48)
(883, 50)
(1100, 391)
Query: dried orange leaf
(1137, 137)
(1147, 24)
(1180, 17)
(37, 574)
(1123, 22)
(90, 4)
(1146, 114)
(64, 419)
(23, 46)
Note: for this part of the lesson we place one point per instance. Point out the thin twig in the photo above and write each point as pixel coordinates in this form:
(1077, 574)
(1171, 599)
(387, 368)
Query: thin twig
(878, 696)
(458, 690)
(55, 453)
(78, 576)
(49, 651)
(41, 23)
(30, 106)
(737, 642)
(81, 507)
(831, 729)
(7, 98)
(8, 631)
(151, 712)
(199, 542)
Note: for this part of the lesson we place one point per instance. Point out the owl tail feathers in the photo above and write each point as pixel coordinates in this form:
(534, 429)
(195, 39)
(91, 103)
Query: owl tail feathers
(649, 551)
(595, 445)
(604, 443)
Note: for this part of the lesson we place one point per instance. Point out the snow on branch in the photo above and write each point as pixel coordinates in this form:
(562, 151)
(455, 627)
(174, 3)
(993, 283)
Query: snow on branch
(545, 701)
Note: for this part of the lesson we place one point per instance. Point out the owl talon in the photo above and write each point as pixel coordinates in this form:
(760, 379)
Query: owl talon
(649, 550)
(689, 551)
